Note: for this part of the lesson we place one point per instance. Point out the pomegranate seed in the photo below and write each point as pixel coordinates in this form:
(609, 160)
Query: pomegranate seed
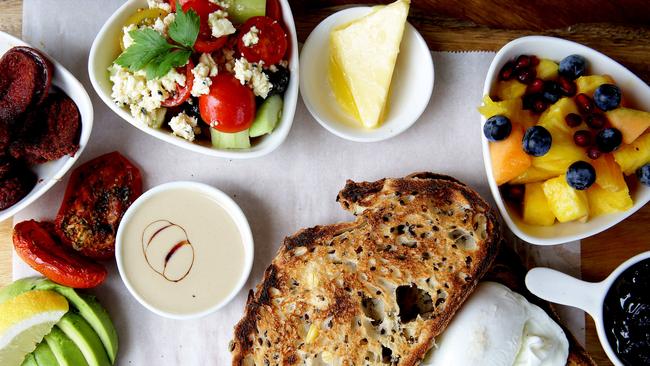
(536, 87)
(507, 71)
(514, 192)
(596, 121)
(585, 104)
(522, 62)
(582, 138)
(573, 120)
(539, 106)
(534, 60)
(526, 76)
(593, 153)
(568, 87)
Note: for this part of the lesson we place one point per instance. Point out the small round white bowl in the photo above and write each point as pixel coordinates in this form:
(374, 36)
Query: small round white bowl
(53, 171)
(231, 208)
(411, 86)
(557, 287)
(105, 50)
(635, 90)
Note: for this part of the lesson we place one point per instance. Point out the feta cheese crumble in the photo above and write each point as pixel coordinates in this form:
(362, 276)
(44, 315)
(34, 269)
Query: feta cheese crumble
(219, 24)
(223, 4)
(143, 97)
(184, 126)
(127, 41)
(251, 74)
(203, 71)
(162, 25)
(160, 4)
(251, 37)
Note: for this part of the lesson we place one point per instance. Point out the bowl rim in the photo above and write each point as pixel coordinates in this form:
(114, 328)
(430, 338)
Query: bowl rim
(333, 19)
(289, 100)
(86, 112)
(232, 209)
(487, 86)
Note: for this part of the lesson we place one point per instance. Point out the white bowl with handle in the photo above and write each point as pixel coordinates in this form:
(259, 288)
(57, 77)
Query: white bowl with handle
(106, 48)
(560, 288)
(52, 172)
(635, 90)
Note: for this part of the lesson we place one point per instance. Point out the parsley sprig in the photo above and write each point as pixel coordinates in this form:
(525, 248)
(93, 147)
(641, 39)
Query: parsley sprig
(151, 52)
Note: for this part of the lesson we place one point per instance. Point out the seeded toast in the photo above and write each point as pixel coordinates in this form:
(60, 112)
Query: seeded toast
(376, 290)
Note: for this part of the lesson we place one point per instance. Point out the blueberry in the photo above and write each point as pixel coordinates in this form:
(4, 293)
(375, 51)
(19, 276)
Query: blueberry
(572, 66)
(580, 175)
(497, 128)
(609, 139)
(537, 141)
(643, 173)
(552, 92)
(607, 97)
(279, 79)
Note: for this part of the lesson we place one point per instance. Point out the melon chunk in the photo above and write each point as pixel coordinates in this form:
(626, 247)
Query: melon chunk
(631, 157)
(536, 208)
(631, 122)
(602, 201)
(588, 84)
(608, 174)
(508, 157)
(566, 203)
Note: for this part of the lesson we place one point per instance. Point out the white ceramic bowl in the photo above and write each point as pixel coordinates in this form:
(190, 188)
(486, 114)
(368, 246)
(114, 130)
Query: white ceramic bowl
(411, 86)
(557, 287)
(227, 204)
(106, 48)
(51, 172)
(634, 89)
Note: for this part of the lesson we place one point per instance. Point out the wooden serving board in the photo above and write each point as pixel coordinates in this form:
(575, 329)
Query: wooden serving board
(627, 43)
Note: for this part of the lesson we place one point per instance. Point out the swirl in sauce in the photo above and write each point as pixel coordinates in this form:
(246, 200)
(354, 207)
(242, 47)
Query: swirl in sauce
(168, 250)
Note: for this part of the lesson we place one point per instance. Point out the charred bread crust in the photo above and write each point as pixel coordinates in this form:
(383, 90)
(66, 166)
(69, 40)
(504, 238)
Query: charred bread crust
(334, 290)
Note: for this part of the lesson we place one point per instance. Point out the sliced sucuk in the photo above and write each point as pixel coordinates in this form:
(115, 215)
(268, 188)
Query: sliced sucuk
(19, 74)
(59, 136)
(16, 184)
(44, 79)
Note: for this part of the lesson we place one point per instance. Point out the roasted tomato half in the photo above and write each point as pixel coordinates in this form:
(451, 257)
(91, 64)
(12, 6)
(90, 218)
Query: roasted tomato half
(98, 194)
(37, 245)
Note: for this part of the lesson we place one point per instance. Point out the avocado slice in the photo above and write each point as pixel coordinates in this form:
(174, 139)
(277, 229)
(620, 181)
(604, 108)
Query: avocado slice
(83, 335)
(65, 350)
(44, 356)
(23, 285)
(29, 361)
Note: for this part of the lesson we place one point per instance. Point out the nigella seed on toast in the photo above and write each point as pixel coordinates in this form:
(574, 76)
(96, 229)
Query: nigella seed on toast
(376, 290)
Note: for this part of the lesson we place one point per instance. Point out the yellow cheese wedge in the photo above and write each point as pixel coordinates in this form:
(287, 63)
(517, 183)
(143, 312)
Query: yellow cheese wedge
(363, 56)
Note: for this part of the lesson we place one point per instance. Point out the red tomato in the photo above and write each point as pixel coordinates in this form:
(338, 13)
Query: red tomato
(97, 195)
(204, 42)
(230, 106)
(272, 44)
(35, 244)
(274, 9)
(209, 45)
(182, 92)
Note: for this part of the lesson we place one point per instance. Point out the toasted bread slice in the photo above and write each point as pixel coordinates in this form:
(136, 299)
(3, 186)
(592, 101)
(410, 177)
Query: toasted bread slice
(376, 290)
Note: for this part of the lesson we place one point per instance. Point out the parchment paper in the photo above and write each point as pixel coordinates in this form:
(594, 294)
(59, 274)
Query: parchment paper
(291, 188)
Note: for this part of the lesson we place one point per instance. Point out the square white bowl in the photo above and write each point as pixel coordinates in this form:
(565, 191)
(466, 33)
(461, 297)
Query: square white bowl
(635, 90)
(51, 172)
(105, 50)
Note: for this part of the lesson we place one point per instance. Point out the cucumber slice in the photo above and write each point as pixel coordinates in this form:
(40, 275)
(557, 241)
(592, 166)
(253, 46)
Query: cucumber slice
(268, 115)
(224, 140)
(240, 10)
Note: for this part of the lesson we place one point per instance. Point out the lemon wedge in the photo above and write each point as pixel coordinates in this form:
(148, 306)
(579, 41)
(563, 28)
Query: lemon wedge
(25, 320)
(363, 57)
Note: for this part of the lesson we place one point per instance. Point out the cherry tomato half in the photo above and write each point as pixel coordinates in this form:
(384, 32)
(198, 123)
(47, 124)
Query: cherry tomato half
(182, 93)
(230, 106)
(274, 10)
(205, 42)
(272, 44)
(209, 45)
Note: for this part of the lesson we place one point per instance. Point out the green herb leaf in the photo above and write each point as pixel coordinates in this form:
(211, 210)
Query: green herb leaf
(161, 65)
(185, 27)
(147, 46)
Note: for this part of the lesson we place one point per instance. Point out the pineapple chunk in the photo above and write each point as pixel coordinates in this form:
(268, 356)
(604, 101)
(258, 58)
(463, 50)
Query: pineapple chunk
(553, 118)
(536, 208)
(563, 153)
(608, 174)
(510, 89)
(566, 203)
(547, 69)
(588, 84)
(602, 201)
(532, 175)
(511, 108)
(631, 157)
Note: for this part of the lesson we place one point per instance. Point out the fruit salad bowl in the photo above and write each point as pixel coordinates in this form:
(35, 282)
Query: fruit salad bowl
(635, 92)
(106, 47)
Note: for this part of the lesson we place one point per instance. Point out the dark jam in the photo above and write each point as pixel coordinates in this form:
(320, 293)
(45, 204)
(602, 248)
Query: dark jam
(627, 315)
